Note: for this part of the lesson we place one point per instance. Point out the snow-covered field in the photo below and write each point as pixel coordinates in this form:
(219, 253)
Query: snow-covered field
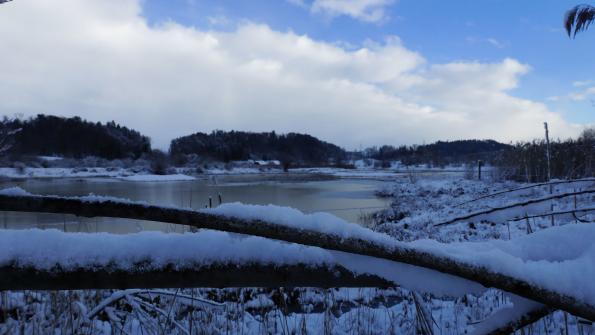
(117, 173)
(560, 258)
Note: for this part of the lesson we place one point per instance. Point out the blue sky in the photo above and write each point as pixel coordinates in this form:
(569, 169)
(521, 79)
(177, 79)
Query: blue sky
(442, 31)
(352, 72)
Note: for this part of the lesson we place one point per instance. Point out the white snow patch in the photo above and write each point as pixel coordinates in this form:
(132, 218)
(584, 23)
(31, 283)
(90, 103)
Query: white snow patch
(157, 178)
(14, 191)
(290, 217)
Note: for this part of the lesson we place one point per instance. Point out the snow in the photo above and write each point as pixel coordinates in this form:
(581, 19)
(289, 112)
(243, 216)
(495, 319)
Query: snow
(517, 308)
(50, 158)
(290, 217)
(44, 249)
(157, 178)
(561, 259)
(15, 192)
(30, 172)
(117, 173)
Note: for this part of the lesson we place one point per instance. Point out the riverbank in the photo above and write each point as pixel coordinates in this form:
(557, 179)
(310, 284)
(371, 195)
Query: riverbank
(188, 174)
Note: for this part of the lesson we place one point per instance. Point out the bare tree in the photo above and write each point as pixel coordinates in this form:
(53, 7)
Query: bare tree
(579, 19)
(6, 133)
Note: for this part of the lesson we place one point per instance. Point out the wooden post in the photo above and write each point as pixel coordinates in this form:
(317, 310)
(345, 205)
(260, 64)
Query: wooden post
(479, 165)
(210, 202)
(549, 171)
(548, 154)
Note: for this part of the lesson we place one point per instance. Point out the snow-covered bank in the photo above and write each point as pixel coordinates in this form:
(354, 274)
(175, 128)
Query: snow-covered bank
(155, 177)
(116, 173)
(181, 174)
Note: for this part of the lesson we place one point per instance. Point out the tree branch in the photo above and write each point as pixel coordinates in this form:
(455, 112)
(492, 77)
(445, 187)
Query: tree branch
(397, 252)
(518, 204)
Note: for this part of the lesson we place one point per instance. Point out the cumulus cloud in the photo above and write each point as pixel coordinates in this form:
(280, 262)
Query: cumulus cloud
(101, 60)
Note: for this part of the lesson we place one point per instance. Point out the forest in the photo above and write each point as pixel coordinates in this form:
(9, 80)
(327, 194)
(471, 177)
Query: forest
(440, 153)
(224, 146)
(74, 137)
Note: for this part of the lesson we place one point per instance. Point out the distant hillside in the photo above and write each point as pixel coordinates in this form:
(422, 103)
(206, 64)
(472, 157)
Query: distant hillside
(440, 153)
(239, 145)
(74, 137)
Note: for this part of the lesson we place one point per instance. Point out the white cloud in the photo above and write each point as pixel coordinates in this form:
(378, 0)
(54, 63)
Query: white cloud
(219, 21)
(364, 10)
(581, 95)
(492, 41)
(99, 59)
(496, 43)
(581, 83)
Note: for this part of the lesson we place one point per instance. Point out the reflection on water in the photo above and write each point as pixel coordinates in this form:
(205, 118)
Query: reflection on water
(347, 199)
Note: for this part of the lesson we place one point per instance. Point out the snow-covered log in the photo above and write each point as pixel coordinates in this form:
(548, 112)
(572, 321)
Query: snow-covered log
(490, 267)
(218, 276)
(520, 313)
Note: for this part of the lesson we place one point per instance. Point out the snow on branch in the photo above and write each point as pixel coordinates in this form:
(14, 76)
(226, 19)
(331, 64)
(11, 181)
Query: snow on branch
(51, 259)
(520, 313)
(529, 266)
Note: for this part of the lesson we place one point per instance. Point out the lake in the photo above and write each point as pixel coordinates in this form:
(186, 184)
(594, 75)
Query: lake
(345, 198)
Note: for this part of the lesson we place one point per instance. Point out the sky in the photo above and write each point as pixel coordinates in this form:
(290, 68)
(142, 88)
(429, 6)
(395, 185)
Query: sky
(353, 72)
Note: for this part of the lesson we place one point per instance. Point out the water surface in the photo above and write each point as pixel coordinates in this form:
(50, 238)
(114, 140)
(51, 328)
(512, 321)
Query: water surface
(345, 198)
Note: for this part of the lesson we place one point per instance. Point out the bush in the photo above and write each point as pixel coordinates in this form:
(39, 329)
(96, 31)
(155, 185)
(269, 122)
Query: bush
(19, 167)
(159, 162)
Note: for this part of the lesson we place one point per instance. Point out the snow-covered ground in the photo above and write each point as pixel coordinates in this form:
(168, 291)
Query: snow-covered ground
(560, 258)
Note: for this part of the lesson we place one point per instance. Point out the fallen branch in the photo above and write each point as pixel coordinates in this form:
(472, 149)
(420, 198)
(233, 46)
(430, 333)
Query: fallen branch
(571, 211)
(519, 314)
(221, 276)
(526, 188)
(395, 252)
(518, 204)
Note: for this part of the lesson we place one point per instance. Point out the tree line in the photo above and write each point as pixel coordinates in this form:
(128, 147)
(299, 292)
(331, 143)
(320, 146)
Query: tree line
(440, 153)
(570, 159)
(47, 135)
(301, 149)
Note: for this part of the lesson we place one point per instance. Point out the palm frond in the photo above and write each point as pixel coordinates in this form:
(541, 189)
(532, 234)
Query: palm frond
(579, 19)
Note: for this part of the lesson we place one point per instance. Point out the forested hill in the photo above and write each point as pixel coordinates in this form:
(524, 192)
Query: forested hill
(239, 145)
(75, 137)
(440, 153)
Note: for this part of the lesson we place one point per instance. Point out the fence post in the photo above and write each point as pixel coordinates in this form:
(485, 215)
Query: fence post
(479, 165)
(549, 171)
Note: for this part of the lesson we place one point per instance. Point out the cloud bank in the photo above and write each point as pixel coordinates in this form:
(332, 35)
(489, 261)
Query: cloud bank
(101, 60)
